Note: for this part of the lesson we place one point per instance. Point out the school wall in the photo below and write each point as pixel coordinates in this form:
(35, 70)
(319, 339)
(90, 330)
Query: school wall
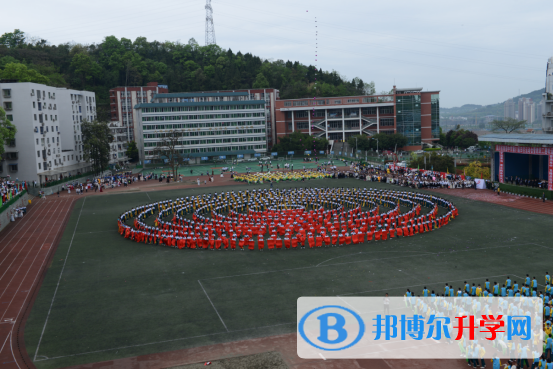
(5, 215)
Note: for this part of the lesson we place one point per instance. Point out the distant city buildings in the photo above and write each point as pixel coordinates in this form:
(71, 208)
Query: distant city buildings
(509, 110)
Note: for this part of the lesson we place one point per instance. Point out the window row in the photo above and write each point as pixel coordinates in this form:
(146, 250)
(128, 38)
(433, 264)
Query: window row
(148, 127)
(208, 141)
(206, 133)
(202, 117)
(216, 149)
(201, 108)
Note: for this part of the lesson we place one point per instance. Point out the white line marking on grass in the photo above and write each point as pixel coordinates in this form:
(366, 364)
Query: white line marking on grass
(213, 305)
(164, 341)
(425, 284)
(59, 280)
(148, 196)
(357, 253)
(358, 261)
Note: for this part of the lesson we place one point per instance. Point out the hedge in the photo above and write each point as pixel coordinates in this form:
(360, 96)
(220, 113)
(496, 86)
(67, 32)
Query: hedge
(432, 149)
(12, 201)
(528, 191)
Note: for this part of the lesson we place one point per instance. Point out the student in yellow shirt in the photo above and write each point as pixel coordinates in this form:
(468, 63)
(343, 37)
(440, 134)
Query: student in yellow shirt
(478, 291)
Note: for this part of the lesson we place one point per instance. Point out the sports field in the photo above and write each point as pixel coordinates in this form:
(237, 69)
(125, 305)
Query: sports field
(105, 297)
(199, 170)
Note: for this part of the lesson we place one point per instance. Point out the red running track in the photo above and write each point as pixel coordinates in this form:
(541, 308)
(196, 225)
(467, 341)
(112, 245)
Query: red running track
(26, 247)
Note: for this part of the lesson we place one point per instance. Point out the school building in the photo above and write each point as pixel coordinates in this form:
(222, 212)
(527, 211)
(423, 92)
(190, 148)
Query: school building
(527, 156)
(410, 111)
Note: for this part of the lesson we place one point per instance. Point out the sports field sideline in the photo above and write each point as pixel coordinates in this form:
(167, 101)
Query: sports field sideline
(105, 297)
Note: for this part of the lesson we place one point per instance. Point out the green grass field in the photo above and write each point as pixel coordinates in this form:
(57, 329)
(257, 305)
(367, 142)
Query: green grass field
(198, 170)
(117, 298)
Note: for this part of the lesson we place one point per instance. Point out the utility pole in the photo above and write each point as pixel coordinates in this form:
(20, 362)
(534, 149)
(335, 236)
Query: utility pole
(209, 27)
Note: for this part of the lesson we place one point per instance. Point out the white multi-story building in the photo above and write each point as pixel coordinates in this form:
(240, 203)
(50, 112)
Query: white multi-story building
(48, 143)
(547, 114)
(212, 124)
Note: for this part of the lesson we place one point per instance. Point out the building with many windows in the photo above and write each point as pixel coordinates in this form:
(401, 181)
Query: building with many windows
(547, 109)
(410, 111)
(208, 124)
(123, 118)
(48, 143)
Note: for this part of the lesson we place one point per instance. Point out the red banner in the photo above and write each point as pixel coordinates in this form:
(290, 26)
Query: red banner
(550, 177)
(501, 167)
(524, 150)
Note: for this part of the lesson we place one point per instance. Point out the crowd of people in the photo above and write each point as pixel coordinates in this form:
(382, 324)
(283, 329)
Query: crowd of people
(286, 219)
(495, 298)
(10, 189)
(535, 183)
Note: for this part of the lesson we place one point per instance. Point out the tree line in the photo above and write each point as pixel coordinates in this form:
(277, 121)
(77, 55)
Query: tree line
(183, 67)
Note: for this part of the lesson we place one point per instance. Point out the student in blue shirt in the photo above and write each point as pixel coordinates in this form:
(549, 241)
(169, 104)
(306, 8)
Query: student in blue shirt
(446, 289)
(459, 292)
(534, 283)
(503, 291)
(467, 287)
(510, 292)
(487, 284)
(508, 282)
(495, 289)
(527, 279)
(473, 290)
(425, 292)
(547, 278)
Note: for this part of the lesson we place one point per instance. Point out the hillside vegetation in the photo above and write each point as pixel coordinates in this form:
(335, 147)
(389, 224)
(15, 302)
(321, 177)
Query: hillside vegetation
(183, 67)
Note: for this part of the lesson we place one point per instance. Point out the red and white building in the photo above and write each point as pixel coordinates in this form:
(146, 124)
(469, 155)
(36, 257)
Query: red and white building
(124, 119)
(410, 111)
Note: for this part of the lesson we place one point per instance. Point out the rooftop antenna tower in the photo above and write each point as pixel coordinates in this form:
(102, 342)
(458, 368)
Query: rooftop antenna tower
(209, 27)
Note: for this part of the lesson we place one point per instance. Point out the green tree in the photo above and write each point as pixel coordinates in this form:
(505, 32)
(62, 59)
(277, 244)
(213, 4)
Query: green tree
(97, 137)
(21, 73)
(476, 170)
(13, 39)
(167, 151)
(132, 151)
(299, 143)
(261, 82)
(508, 125)
(435, 161)
(7, 130)
(85, 67)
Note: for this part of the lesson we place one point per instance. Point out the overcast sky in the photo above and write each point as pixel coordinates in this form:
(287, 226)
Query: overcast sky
(479, 52)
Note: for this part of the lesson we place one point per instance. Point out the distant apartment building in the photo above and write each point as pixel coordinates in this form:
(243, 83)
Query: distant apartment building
(123, 118)
(547, 114)
(509, 110)
(410, 111)
(526, 110)
(210, 125)
(48, 143)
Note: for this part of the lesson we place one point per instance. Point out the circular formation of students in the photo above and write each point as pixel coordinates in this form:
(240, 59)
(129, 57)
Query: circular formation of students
(283, 219)
(281, 176)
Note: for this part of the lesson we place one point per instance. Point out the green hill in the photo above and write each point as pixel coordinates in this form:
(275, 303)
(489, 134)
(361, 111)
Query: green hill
(472, 110)
(183, 67)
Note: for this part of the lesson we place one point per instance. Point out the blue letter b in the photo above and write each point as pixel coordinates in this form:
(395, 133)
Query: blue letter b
(338, 327)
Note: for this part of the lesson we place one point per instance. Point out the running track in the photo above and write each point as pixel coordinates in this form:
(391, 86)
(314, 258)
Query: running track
(27, 246)
(25, 250)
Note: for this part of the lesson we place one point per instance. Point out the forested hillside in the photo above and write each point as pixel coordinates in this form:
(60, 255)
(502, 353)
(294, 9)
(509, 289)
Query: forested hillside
(183, 67)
